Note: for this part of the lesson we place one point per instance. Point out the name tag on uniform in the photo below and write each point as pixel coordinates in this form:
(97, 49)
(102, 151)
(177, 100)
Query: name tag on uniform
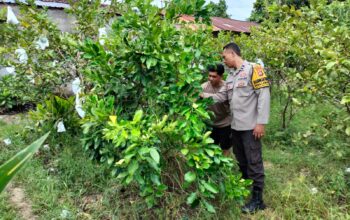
(241, 83)
(242, 80)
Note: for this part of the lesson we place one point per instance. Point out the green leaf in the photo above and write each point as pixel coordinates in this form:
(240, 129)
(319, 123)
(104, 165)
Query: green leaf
(171, 58)
(203, 113)
(122, 175)
(209, 207)
(184, 151)
(155, 179)
(347, 131)
(12, 166)
(3, 12)
(191, 198)
(151, 62)
(138, 116)
(208, 141)
(129, 179)
(155, 155)
(110, 160)
(209, 152)
(135, 132)
(152, 163)
(190, 177)
(207, 134)
(210, 187)
(330, 65)
(133, 167)
(120, 162)
(198, 54)
(296, 101)
(345, 100)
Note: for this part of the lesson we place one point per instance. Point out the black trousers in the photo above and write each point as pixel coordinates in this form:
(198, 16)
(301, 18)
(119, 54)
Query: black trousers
(248, 153)
(222, 137)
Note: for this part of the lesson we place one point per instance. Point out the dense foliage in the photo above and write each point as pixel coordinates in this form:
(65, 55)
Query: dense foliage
(261, 7)
(307, 56)
(40, 57)
(146, 82)
(141, 83)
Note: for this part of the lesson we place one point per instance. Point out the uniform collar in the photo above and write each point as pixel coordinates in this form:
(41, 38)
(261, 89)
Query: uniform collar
(237, 71)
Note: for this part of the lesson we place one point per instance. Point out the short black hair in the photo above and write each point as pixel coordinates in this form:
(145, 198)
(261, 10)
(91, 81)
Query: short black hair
(218, 68)
(234, 47)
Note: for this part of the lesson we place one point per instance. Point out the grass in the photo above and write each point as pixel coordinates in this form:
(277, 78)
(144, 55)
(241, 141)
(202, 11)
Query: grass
(303, 181)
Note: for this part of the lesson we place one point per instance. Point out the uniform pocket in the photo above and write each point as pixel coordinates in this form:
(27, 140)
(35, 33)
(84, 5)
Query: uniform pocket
(244, 91)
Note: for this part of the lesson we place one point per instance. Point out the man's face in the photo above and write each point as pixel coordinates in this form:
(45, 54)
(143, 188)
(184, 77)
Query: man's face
(214, 78)
(229, 58)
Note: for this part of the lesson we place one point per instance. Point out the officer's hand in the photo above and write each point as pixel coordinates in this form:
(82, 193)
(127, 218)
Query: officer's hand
(259, 131)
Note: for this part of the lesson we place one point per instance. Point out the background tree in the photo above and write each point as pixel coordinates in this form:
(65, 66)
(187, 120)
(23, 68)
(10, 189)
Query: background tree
(306, 56)
(219, 9)
(260, 8)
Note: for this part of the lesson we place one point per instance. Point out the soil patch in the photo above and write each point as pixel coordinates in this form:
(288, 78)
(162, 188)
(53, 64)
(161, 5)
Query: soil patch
(19, 200)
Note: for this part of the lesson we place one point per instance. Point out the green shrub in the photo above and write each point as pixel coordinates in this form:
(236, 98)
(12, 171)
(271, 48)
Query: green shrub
(55, 110)
(144, 117)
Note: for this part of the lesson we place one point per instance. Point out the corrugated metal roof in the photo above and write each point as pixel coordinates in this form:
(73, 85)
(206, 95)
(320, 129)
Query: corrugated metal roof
(225, 24)
(228, 24)
(219, 24)
(53, 3)
(45, 3)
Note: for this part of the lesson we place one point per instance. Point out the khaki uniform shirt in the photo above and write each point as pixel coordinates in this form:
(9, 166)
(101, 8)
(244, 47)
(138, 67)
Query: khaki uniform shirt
(221, 109)
(248, 93)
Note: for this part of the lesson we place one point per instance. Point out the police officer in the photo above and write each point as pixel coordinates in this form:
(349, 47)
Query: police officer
(222, 118)
(247, 90)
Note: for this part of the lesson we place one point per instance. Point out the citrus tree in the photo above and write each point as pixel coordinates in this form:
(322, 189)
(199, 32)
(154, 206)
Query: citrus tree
(144, 117)
(40, 56)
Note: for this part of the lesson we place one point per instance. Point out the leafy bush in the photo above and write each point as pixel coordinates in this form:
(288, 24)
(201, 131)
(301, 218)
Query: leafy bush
(55, 110)
(144, 117)
(145, 152)
(43, 58)
(98, 111)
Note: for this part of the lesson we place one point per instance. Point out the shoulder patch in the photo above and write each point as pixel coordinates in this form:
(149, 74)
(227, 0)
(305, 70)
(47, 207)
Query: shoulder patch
(259, 78)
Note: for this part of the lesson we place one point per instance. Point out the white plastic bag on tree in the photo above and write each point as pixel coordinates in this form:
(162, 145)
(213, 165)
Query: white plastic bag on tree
(31, 79)
(76, 86)
(11, 17)
(136, 10)
(79, 106)
(60, 127)
(7, 71)
(22, 55)
(42, 43)
(78, 103)
(7, 141)
(102, 34)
